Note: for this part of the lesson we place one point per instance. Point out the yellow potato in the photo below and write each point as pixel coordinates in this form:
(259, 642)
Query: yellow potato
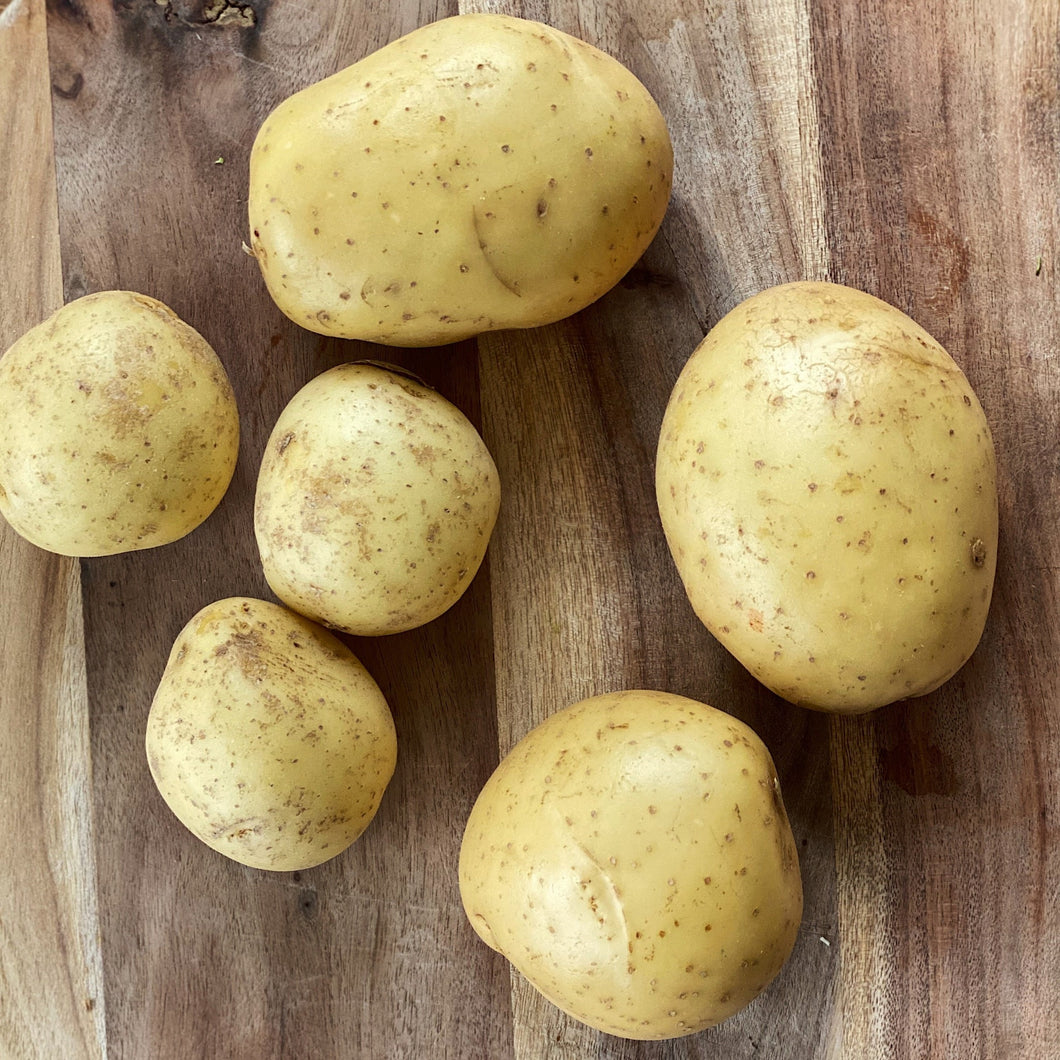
(482, 172)
(375, 501)
(632, 858)
(119, 428)
(267, 738)
(826, 482)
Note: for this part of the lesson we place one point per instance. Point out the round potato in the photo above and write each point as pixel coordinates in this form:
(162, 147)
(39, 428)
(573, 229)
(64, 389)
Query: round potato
(631, 856)
(826, 482)
(267, 737)
(375, 502)
(119, 428)
(482, 172)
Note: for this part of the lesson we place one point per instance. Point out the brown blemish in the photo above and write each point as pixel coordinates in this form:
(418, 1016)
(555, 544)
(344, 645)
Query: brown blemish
(978, 552)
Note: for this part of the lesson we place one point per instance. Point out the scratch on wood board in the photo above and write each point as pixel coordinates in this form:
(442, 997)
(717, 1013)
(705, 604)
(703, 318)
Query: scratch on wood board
(9, 12)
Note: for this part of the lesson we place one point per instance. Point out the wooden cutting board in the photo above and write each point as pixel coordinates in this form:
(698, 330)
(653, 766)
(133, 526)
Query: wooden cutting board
(912, 150)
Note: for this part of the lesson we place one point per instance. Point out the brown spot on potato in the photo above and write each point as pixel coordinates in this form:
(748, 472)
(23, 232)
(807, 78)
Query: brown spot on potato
(978, 552)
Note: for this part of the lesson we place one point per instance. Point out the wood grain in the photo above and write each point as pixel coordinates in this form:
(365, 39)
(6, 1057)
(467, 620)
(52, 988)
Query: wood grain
(204, 959)
(51, 1003)
(602, 607)
(911, 150)
(940, 137)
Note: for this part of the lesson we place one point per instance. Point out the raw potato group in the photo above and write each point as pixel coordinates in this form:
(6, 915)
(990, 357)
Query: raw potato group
(267, 737)
(482, 172)
(119, 428)
(827, 485)
(632, 858)
(825, 480)
(375, 503)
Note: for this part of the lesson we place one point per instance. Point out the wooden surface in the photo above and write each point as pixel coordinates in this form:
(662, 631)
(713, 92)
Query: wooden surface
(912, 150)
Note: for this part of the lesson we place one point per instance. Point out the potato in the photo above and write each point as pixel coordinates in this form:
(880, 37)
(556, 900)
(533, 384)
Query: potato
(119, 428)
(267, 737)
(826, 482)
(481, 172)
(632, 858)
(375, 502)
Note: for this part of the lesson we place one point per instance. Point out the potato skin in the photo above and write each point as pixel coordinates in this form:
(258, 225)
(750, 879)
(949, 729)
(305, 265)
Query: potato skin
(631, 856)
(267, 737)
(826, 481)
(482, 172)
(375, 502)
(119, 429)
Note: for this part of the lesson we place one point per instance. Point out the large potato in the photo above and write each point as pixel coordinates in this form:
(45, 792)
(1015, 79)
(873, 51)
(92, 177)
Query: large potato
(375, 502)
(267, 737)
(481, 172)
(826, 481)
(119, 428)
(632, 858)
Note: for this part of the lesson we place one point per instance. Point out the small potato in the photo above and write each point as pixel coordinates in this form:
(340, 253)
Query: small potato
(826, 482)
(267, 738)
(375, 502)
(632, 858)
(482, 172)
(119, 428)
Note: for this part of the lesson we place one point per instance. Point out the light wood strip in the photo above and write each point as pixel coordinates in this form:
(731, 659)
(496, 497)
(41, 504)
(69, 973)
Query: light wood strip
(51, 998)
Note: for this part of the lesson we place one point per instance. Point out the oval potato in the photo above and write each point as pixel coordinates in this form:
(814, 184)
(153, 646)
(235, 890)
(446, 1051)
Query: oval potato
(267, 738)
(119, 429)
(631, 856)
(482, 172)
(375, 501)
(827, 485)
